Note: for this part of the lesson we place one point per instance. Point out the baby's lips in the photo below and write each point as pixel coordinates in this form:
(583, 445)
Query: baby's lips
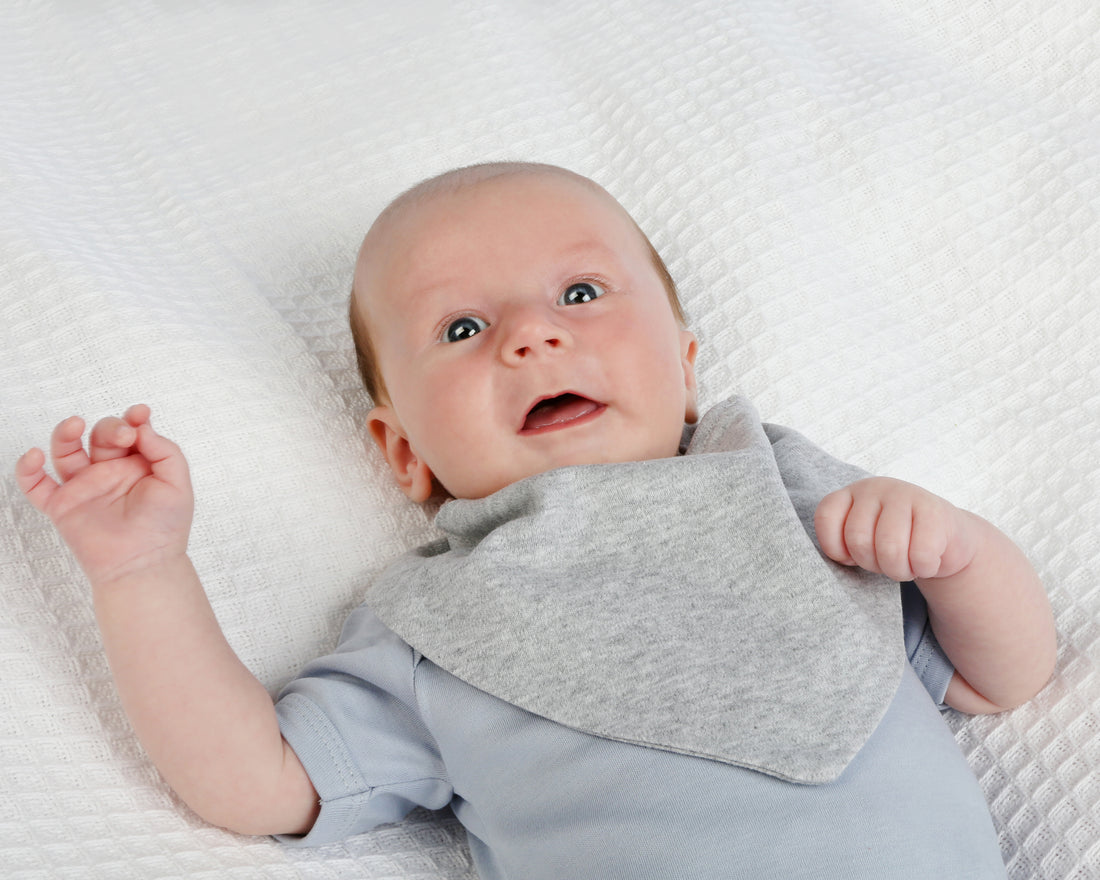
(558, 410)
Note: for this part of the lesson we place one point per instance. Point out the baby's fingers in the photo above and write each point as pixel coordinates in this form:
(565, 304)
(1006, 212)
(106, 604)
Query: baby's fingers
(860, 531)
(929, 543)
(136, 415)
(32, 479)
(893, 532)
(164, 456)
(111, 438)
(829, 519)
(67, 448)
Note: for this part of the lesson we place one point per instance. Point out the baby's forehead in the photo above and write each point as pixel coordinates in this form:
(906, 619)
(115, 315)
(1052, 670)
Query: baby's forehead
(444, 199)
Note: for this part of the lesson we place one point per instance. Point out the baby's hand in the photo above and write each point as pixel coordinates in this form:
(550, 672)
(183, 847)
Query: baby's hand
(123, 504)
(896, 529)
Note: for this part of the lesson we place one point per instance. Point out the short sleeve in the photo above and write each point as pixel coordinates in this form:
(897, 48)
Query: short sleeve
(352, 720)
(924, 652)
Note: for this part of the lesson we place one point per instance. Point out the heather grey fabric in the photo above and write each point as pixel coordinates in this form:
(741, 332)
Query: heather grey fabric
(679, 604)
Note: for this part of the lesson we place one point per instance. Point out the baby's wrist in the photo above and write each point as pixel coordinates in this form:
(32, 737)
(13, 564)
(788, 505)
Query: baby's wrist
(158, 569)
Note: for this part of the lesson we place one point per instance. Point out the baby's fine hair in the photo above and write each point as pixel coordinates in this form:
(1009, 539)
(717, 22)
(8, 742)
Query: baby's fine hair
(453, 181)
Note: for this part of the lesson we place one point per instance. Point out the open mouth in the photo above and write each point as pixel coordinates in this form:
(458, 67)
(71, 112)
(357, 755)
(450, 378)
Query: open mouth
(560, 412)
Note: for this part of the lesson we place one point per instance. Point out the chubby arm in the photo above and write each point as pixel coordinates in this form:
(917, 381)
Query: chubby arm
(124, 508)
(986, 604)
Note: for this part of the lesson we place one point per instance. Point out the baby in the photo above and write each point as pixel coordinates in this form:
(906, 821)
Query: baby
(629, 656)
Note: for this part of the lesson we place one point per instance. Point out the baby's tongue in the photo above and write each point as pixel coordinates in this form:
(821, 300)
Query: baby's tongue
(558, 409)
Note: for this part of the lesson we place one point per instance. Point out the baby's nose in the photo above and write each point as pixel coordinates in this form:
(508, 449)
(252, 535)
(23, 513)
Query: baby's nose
(533, 335)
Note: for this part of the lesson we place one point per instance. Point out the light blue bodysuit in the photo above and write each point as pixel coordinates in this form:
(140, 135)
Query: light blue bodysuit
(656, 722)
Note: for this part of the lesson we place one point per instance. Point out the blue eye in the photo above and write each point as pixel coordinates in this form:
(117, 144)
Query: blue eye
(463, 328)
(582, 292)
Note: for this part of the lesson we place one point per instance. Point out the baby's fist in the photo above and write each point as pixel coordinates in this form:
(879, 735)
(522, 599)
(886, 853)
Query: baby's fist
(120, 501)
(894, 528)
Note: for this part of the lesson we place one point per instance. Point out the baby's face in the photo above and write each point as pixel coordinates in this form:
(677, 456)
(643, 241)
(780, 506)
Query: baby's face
(520, 326)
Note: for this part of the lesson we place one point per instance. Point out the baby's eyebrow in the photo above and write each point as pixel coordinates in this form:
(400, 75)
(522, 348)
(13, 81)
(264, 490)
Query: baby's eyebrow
(586, 247)
(432, 292)
(434, 289)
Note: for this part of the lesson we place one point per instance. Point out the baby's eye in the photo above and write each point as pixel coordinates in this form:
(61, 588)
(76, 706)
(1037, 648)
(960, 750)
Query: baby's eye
(582, 292)
(463, 328)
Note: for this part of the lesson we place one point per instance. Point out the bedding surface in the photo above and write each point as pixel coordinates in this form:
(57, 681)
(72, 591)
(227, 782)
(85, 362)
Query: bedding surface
(884, 219)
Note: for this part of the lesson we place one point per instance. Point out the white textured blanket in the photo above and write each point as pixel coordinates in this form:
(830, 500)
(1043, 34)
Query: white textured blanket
(884, 218)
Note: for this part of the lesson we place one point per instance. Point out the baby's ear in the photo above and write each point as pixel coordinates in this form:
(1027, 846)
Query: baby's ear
(412, 473)
(689, 348)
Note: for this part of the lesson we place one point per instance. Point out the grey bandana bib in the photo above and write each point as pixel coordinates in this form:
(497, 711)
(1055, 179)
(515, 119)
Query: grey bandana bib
(679, 604)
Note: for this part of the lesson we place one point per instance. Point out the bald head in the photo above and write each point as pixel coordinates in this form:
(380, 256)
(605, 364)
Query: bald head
(458, 179)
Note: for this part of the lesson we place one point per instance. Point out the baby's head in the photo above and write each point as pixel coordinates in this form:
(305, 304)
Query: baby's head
(512, 318)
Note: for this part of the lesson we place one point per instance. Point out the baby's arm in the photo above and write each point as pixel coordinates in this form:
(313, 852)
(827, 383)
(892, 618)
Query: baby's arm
(987, 607)
(124, 508)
